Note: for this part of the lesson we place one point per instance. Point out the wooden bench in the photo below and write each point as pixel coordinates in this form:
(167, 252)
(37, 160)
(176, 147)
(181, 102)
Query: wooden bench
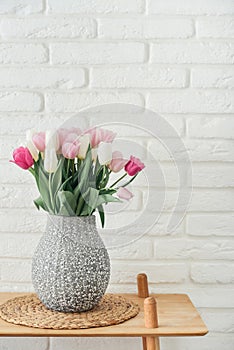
(161, 315)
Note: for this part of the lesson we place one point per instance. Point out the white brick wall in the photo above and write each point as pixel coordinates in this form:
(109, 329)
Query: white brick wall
(172, 56)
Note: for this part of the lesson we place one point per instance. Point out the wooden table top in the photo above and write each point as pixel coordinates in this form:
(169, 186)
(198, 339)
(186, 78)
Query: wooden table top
(176, 314)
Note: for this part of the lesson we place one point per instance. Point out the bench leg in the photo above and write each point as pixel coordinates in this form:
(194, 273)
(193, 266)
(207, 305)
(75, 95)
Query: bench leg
(152, 343)
(151, 321)
(143, 292)
(150, 310)
(157, 343)
(144, 343)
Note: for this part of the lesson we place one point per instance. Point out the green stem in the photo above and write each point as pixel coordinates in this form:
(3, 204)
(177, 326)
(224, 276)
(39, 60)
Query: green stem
(68, 167)
(73, 167)
(32, 171)
(128, 182)
(80, 205)
(50, 190)
(121, 178)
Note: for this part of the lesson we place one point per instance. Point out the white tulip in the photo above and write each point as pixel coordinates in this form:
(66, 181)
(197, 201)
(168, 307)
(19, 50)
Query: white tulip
(30, 145)
(104, 153)
(84, 145)
(50, 160)
(51, 140)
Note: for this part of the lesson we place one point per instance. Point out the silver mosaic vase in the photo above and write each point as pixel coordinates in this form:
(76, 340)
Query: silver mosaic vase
(71, 266)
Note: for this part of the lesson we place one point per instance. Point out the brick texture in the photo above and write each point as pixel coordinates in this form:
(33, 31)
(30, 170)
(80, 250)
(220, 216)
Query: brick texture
(171, 57)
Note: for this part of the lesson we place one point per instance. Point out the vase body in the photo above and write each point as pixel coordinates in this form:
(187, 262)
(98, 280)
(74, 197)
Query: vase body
(71, 266)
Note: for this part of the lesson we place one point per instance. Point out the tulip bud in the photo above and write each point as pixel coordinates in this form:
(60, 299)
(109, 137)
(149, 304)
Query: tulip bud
(30, 145)
(133, 166)
(70, 150)
(51, 160)
(84, 145)
(51, 140)
(123, 193)
(39, 141)
(118, 162)
(104, 153)
(23, 158)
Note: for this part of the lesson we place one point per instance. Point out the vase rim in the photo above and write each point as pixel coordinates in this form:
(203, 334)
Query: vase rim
(86, 217)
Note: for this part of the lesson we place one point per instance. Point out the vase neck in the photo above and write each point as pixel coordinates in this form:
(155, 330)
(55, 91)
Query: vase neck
(72, 224)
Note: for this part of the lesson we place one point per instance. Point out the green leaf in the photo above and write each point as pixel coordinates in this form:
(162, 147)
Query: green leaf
(80, 205)
(107, 191)
(67, 203)
(64, 184)
(57, 202)
(101, 214)
(57, 177)
(36, 170)
(43, 183)
(75, 179)
(84, 174)
(40, 203)
(106, 198)
(97, 167)
(105, 179)
(90, 198)
(102, 177)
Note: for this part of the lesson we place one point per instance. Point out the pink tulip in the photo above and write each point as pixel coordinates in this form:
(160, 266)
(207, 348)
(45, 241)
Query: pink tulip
(133, 166)
(117, 162)
(98, 135)
(70, 150)
(39, 141)
(123, 193)
(71, 137)
(94, 137)
(107, 135)
(67, 136)
(62, 134)
(22, 158)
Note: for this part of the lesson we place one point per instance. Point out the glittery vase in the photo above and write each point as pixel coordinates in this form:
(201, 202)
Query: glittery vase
(71, 266)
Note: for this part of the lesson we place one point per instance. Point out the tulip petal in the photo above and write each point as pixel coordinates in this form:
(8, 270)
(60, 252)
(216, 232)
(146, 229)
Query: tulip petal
(123, 193)
(84, 145)
(39, 141)
(104, 153)
(51, 160)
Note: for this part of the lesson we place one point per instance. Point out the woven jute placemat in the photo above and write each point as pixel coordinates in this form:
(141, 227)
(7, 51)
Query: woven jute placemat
(29, 311)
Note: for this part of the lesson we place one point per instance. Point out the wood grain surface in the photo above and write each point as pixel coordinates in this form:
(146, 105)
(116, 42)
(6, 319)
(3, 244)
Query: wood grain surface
(176, 317)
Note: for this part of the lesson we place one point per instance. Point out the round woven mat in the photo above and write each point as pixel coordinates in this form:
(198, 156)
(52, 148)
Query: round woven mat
(29, 311)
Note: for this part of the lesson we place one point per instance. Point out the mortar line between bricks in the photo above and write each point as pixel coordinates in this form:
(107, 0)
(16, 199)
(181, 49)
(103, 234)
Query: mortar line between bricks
(120, 15)
(99, 65)
(71, 113)
(162, 65)
(99, 15)
(110, 40)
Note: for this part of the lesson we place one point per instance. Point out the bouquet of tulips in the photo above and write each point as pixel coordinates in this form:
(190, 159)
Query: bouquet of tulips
(72, 170)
